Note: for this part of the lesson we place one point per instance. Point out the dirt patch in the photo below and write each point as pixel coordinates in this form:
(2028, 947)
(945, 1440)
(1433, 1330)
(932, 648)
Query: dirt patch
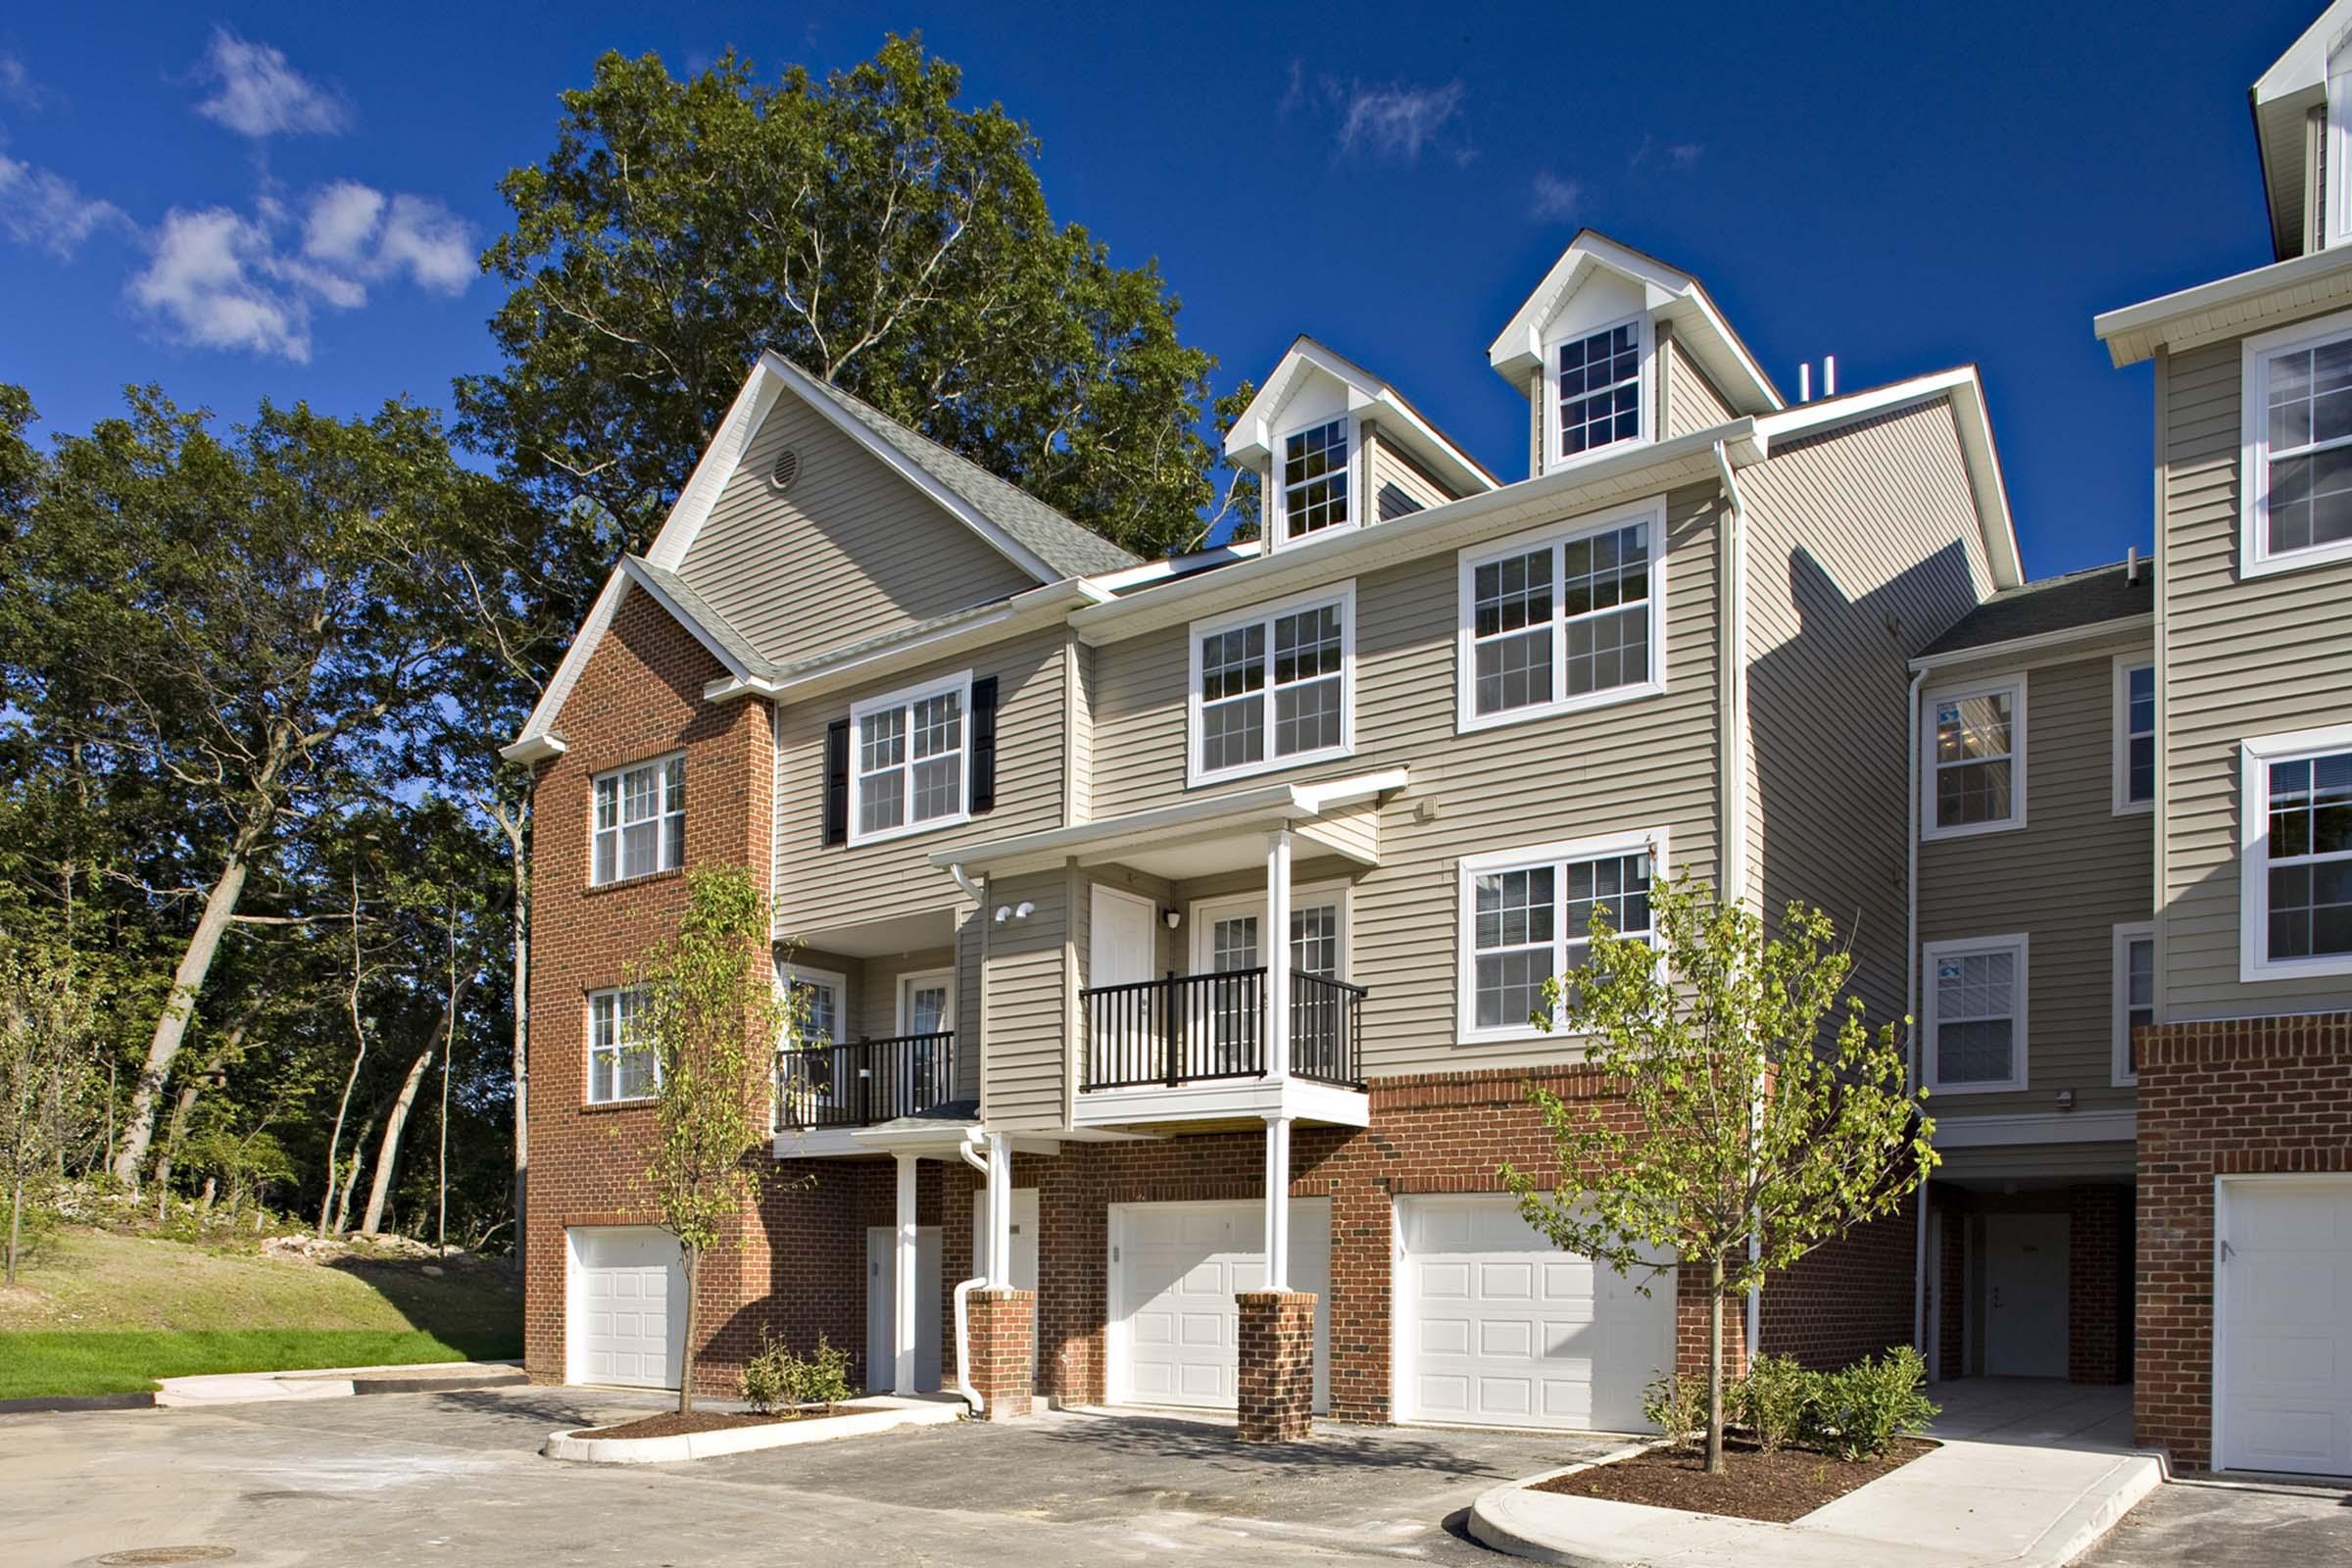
(1777, 1486)
(670, 1424)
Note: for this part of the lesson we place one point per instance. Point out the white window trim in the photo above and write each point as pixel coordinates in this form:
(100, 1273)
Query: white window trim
(907, 697)
(1467, 718)
(1466, 962)
(902, 1023)
(2255, 755)
(2020, 1022)
(1307, 895)
(2124, 805)
(2015, 686)
(1275, 503)
(2254, 558)
(1343, 595)
(588, 1042)
(1645, 390)
(787, 973)
(661, 821)
(2120, 966)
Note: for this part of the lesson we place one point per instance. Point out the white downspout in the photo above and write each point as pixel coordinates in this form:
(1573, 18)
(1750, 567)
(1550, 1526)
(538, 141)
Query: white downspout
(970, 1151)
(1731, 752)
(1919, 1240)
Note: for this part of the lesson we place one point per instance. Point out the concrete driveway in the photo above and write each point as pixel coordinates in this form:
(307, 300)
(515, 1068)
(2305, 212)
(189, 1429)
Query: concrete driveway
(2193, 1524)
(455, 1479)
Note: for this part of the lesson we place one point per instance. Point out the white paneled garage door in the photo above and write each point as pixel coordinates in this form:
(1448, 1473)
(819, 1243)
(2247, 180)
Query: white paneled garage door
(1175, 1269)
(2284, 1384)
(626, 1315)
(1498, 1327)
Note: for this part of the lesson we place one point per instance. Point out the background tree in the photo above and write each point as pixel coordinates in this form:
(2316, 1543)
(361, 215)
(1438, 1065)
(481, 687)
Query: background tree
(46, 1026)
(1762, 1106)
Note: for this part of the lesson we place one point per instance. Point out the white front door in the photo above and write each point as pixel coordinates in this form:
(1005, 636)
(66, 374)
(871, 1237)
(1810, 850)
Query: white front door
(1024, 1254)
(2284, 1381)
(881, 1320)
(927, 1002)
(1176, 1268)
(1498, 1327)
(625, 1319)
(1120, 950)
(2026, 1295)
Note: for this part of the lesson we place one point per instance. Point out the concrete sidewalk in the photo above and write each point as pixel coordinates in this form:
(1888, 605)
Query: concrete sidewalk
(2029, 1475)
(334, 1383)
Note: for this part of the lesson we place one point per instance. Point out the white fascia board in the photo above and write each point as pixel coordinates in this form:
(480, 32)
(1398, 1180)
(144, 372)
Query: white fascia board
(1962, 1131)
(2304, 66)
(2006, 650)
(678, 612)
(538, 740)
(718, 463)
(2226, 307)
(1110, 583)
(1251, 441)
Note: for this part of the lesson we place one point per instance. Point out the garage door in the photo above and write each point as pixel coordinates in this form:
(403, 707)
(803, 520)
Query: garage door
(627, 1316)
(1176, 1268)
(1500, 1328)
(2285, 1382)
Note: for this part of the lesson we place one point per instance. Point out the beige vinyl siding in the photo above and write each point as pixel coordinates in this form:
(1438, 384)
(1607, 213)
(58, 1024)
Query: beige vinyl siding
(878, 998)
(1024, 1070)
(2262, 657)
(2009, 1162)
(851, 548)
(1082, 732)
(1862, 546)
(2073, 873)
(1397, 484)
(821, 886)
(1692, 402)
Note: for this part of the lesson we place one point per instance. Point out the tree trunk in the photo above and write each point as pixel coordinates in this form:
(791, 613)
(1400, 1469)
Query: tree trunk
(226, 1052)
(694, 1268)
(1715, 1366)
(358, 1163)
(171, 1024)
(358, 1033)
(16, 1215)
(387, 1154)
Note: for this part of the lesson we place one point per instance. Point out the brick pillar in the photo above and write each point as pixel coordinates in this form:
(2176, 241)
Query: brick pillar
(999, 1324)
(1277, 1381)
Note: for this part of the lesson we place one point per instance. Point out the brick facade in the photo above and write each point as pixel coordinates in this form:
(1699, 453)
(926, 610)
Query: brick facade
(1848, 1297)
(2238, 1098)
(999, 1324)
(1275, 1377)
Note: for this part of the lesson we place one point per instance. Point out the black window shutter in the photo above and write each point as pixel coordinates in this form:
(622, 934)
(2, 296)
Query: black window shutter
(984, 743)
(837, 782)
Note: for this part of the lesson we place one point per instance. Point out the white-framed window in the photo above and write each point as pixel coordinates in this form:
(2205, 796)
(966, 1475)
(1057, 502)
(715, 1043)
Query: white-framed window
(1312, 490)
(638, 826)
(824, 995)
(910, 759)
(1563, 618)
(1273, 688)
(1975, 1014)
(1598, 379)
(1225, 931)
(823, 1076)
(1972, 768)
(2134, 994)
(2295, 854)
(622, 1065)
(2134, 734)
(2296, 446)
(927, 1002)
(1525, 916)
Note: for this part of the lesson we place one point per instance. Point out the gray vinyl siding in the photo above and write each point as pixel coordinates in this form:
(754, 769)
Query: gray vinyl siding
(2009, 1162)
(1024, 1070)
(851, 548)
(1862, 545)
(2261, 656)
(878, 1000)
(2073, 873)
(1397, 484)
(1692, 403)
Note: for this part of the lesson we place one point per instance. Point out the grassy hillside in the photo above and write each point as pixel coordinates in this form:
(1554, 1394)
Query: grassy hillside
(99, 1313)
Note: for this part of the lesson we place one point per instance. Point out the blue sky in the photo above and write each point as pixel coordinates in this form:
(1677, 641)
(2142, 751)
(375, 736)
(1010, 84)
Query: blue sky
(286, 200)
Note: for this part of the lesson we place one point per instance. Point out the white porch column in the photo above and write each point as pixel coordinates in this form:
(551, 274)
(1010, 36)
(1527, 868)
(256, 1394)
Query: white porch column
(1000, 1212)
(1276, 946)
(905, 1286)
(1278, 1202)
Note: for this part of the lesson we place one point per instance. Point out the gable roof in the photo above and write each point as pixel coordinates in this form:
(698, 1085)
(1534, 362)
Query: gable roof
(1252, 435)
(1669, 294)
(2295, 85)
(2099, 598)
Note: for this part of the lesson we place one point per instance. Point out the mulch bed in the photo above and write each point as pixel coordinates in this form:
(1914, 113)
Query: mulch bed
(670, 1424)
(1777, 1486)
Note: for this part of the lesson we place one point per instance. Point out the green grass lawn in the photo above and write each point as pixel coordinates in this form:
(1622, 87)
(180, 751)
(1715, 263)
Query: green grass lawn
(98, 1312)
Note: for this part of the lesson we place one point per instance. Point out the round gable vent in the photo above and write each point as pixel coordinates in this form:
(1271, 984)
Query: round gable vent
(787, 469)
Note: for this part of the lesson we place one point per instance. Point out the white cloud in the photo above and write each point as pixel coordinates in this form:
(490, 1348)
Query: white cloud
(1397, 122)
(45, 210)
(1681, 155)
(1554, 197)
(17, 85)
(258, 94)
(363, 237)
(212, 280)
(342, 219)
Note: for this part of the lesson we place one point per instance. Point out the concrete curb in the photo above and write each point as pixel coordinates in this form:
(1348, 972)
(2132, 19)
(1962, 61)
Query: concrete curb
(745, 1440)
(54, 1403)
(207, 1389)
(455, 1383)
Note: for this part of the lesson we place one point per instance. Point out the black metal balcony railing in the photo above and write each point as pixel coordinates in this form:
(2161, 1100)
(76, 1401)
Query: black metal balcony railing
(1197, 1028)
(864, 1082)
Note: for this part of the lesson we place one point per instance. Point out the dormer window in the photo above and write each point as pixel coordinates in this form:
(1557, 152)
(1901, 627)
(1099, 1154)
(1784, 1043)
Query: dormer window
(1599, 379)
(1314, 481)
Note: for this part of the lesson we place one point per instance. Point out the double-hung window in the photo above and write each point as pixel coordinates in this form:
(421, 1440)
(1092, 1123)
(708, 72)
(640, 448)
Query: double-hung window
(1563, 620)
(1973, 771)
(2134, 734)
(2297, 444)
(1313, 481)
(2134, 995)
(640, 823)
(909, 757)
(1975, 1014)
(622, 1063)
(1597, 389)
(2295, 854)
(816, 1078)
(1273, 688)
(1526, 917)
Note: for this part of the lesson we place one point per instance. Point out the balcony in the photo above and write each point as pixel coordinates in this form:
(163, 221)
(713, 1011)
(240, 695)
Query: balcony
(864, 1083)
(1209, 1028)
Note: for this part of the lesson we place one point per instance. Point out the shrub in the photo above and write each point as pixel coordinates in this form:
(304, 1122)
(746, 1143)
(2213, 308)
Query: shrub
(775, 1379)
(1775, 1399)
(1858, 1411)
(1676, 1406)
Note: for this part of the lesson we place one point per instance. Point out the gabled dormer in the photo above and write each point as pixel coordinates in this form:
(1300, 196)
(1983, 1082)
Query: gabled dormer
(1337, 448)
(1589, 349)
(2303, 126)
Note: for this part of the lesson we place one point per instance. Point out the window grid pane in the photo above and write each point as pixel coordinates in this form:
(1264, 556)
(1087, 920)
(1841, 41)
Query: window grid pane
(2309, 446)
(1602, 622)
(2309, 847)
(1976, 1018)
(1314, 480)
(1600, 389)
(2139, 733)
(1974, 760)
(1278, 683)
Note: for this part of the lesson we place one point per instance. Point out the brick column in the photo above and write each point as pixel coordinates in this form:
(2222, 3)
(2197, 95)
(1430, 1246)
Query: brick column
(1277, 1379)
(999, 1323)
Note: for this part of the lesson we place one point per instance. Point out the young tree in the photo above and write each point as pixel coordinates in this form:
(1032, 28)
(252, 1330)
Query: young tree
(712, 1015)
(47, 1020)
(1761, 1106)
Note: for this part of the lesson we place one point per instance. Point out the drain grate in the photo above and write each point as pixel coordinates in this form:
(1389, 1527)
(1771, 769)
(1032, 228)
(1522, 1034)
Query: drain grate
(167, 1555)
